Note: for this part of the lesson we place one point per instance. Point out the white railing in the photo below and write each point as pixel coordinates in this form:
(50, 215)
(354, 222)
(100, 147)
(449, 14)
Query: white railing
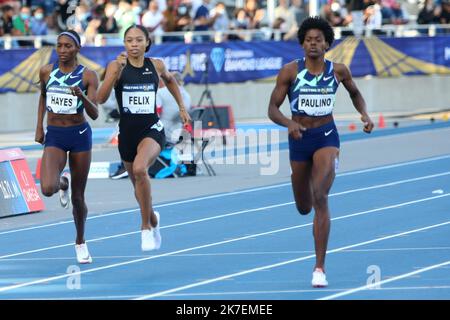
(407, 30)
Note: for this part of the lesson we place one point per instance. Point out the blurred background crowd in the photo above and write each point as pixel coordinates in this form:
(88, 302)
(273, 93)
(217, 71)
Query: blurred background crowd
(93, 17)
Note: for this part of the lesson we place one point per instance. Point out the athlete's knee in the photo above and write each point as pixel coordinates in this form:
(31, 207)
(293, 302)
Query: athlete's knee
(303, 209)
(78, 201)
(320, 198)
(48, 189)
(139, 172)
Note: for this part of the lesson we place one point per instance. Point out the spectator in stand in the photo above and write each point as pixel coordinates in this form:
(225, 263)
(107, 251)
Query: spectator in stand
(38, 24)
(256, 15)
(373, 17)
(79, 21)
(356, 15)
(333, 13)
(392, 11)
(285, 20)
(61, 14)
(136, 7)
(299, 11)
(220, 16)
(153, 18)
(6, 21)
(239, 23)
(170, 20)
(185, 16)
(21, 22)
(203, 21)
(444, 17)
(429, 14)
(108, 22)
(125, 17)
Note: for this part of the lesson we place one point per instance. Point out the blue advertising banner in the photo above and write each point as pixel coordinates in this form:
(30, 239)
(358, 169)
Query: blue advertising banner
(232, 62)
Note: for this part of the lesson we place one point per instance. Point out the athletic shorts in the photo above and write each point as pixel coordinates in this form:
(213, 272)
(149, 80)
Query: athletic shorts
(130, 137)
(313, 139)
(69, 139)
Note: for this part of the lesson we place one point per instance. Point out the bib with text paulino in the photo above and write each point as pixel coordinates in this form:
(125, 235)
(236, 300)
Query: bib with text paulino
(316, 101)
(60, 100)
(138, 98)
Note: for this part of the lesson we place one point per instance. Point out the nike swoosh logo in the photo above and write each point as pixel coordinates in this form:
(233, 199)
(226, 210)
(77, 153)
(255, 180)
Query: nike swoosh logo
(73, 77)
(81, 132)
(327, 78)
(328, 132)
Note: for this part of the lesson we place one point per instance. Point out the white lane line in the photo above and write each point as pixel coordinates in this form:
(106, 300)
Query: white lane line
(283, 263)
(228, 293)
(232, 214)
(224, 254)
(380, 283)
(104, 215)
(25, 284)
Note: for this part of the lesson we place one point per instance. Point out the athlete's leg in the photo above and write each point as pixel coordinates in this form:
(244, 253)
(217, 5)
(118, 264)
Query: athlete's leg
(301, 185)
(53, 163)
(79, 163)
(147, 152)
(323, 173)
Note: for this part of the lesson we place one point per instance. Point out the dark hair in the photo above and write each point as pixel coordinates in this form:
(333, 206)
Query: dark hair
(144, 30)
(316, 23)
(73, 35)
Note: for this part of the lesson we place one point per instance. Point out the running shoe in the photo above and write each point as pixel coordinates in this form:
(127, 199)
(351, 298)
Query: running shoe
(120, 173)
(148, 240)
(319, 279)
(156, 232)
(83, 255)
(64, 195)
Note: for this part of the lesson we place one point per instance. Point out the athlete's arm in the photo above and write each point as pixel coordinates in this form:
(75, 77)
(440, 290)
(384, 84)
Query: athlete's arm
(39, 134)
(172, 85)
(284, 80)
(89, 101)
(344, 75)
(112, 74)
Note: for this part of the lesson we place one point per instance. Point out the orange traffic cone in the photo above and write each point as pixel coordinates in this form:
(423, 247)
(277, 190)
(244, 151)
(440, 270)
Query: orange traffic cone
(352, 127)
(381, 122)
(114, 140)
(37, 173)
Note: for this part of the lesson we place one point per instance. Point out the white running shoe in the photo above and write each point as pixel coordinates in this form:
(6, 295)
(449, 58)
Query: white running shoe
(156, 232)
(64, 195)
(148, 240)
(83, 255)
(319, 279)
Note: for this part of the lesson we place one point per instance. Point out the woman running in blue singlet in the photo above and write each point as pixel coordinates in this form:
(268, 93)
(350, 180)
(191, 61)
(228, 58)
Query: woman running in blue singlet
(67, 89)
(311, 84)
(135, 80)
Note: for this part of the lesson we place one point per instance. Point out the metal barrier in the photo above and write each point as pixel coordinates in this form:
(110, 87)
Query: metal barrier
(100, 40)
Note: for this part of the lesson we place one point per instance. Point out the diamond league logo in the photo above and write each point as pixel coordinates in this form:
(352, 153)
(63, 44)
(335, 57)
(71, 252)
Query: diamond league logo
(217, 56)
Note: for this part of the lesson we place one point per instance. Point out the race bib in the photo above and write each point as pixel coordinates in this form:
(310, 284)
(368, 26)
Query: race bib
(139, 98)
(316, 101)
(60, 100)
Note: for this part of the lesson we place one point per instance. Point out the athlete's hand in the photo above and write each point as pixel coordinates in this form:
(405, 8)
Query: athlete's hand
(368, 123)
(185, 117)
(39, 135)
(76, 91)
(295, 129)
(122, 59)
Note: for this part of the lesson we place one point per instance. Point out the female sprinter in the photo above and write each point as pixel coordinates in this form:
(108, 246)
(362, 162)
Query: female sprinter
(311, 84)
(135, 80)
(67, 89)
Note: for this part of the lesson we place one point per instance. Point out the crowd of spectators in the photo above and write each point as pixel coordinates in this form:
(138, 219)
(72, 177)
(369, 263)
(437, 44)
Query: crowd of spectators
(93, 17)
